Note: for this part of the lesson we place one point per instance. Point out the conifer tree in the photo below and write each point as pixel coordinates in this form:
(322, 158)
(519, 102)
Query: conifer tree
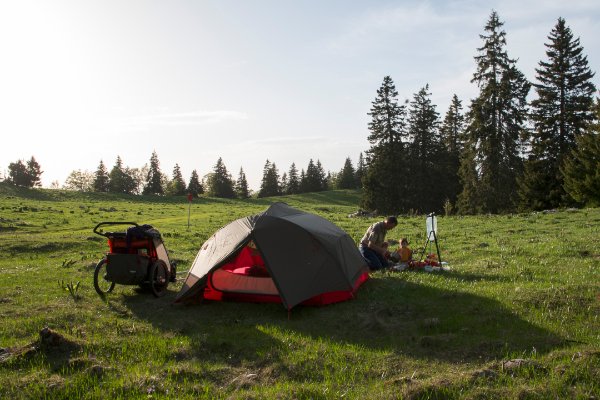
(25, 174)
(323, 178)
(385, 182)
(560, 113)
(176, 186)
(453, 140)
(283, 183)
(293, 184)
(270, 181)
(154, 179)
(195, 187)
(241, 186)
(581, 169)
(361, 170)
(101, 178)
(346, 179)
(120, 181)
(303, 182)
(34, 173)
(495, 125)
(426, 187)
(220, 183)
(313, 180)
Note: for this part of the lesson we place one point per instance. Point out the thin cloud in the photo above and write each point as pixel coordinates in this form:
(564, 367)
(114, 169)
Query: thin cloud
(285, 141)
(194, 118)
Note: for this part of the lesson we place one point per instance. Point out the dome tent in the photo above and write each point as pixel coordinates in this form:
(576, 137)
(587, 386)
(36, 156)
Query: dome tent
(299, 258)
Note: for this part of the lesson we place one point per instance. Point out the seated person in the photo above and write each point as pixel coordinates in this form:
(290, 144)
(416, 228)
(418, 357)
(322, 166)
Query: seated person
(373, 246)
(403, 254)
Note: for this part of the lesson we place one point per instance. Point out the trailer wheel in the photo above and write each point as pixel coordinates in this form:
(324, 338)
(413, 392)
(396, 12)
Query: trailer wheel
(101, 284)
(159, 278)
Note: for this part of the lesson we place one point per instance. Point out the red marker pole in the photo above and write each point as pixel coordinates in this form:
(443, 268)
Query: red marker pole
(189, 198)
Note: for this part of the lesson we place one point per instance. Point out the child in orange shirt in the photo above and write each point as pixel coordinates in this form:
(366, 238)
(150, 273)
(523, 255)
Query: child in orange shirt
(404, 253)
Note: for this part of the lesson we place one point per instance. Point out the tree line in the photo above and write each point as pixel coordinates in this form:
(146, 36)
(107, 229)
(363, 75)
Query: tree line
(503, 154)
(150, 180)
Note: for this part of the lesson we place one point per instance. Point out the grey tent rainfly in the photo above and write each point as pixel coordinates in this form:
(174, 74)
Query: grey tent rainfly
(280, 255)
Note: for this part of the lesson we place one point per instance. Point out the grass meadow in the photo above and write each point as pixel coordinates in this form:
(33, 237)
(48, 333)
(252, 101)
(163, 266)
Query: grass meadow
(516, 317)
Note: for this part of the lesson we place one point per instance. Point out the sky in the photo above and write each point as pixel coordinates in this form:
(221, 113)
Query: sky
(288, 81)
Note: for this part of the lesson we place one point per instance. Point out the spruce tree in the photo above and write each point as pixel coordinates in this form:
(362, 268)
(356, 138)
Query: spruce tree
(25, 174)
(154, 178)
(220, 183)
(386, 179)
(34, 173)
(581, 169)
(176, 186)
(426, 189)
(361, 170)
(560, 113)
(495, 124)
(283, 183)
(101, 178)
(323, 178)
(195, 187)
(303, 183)
(270, 181)
(241, 186)
(313, 180)
(346, 179)
(120, 180)
(293, 185)
(453, 139)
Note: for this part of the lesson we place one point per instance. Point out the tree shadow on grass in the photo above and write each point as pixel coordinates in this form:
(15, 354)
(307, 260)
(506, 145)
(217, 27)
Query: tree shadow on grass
(388, 314)
(426, 322)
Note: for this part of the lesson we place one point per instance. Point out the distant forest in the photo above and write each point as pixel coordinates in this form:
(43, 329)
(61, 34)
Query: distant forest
(501, 154)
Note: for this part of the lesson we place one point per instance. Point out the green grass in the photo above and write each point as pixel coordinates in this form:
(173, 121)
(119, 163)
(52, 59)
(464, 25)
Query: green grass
(521, 287)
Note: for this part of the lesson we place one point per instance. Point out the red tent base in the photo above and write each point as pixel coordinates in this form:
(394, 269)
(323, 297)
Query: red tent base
(210, 293)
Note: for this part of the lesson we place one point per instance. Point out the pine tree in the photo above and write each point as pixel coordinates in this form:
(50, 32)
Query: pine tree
(323, 179)
(303, 183)
(496, 124)
(194, 187)
(25, 174)
(101, 179)
(34, 173)
(283, 183)
(426, 190)
(385, 182)
(387, 124)
(453, 140)
(219, 182)
(313, 180)
(361, 170)
(154, 179)
(176, 186)
(293, 185)
(241, 186)
(270, 181)
(120, 181)
(581, 169)
(561, 112)
(346, 179)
